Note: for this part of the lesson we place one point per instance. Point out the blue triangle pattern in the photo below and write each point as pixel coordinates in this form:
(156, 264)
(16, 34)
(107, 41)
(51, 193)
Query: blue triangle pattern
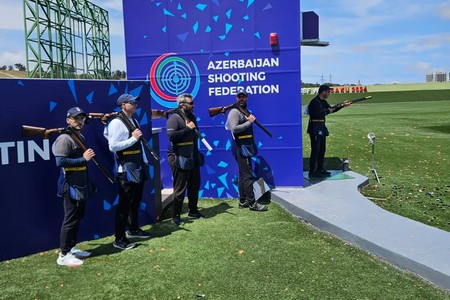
(71, 84)
(106, 205)
(89, 97)
(52, 105)
(112, 90)
(223, 179)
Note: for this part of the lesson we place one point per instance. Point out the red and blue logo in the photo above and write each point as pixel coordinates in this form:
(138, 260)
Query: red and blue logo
(170, 76)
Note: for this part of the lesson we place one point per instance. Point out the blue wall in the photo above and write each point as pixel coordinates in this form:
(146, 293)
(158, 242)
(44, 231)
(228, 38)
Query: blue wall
(209, 49)
(30, 212)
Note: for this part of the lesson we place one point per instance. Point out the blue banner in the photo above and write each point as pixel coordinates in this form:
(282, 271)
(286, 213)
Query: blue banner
(30, 211)
(210, 50)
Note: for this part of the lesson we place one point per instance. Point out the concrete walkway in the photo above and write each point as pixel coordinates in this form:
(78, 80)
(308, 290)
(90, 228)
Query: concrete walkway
(336, 206)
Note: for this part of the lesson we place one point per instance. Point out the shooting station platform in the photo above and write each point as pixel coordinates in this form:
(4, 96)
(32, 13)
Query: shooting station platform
(335, 205)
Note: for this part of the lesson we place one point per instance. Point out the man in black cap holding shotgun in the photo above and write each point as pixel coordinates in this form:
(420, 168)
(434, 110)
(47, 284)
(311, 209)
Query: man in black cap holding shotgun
(318, 108)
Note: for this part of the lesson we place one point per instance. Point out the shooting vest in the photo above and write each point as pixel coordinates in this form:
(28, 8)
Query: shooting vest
(186, 145)
(76, 175)
(75, 178)
(318, 109)
(132, 154)
(245, 140)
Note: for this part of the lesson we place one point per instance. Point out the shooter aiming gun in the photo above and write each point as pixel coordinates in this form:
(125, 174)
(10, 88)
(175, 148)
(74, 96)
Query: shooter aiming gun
(104, 117)
(339, 105)
(31, 131)
(213, 111)
(354, 101)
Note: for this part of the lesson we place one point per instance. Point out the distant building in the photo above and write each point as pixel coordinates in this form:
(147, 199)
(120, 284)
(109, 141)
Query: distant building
(437, 77)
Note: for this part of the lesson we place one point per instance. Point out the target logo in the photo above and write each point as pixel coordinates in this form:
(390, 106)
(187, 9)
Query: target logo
(170, 76)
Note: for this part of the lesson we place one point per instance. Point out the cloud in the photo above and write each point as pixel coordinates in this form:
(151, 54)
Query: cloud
(444, 11)
(11, 58)
(11, 15)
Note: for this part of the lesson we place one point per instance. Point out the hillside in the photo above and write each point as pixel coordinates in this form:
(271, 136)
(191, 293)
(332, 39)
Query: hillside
(12, 74)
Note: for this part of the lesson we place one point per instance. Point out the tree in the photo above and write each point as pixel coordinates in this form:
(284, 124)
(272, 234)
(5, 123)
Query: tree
(118, 75)
(10, 68)
(20, 67)
(3, 67)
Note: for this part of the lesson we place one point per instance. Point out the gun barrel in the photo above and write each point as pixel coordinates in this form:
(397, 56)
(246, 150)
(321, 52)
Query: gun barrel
(361, 99)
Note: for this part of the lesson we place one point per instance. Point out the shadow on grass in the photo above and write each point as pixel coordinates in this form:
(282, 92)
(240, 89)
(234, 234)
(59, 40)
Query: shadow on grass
(443, 128)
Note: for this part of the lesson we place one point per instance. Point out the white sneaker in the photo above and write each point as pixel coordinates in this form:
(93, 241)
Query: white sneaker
(79, 253)
(68, 260)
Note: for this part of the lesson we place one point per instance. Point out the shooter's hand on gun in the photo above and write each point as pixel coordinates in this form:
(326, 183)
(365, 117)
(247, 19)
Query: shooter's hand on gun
(137, 133)
(340, 105)
(88, 154)
(251, 118)
(190, 124)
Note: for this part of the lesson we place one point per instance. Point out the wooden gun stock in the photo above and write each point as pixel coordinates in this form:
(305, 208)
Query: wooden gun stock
(105, 117)
(158, 113)
(214, 111)
(30, 131)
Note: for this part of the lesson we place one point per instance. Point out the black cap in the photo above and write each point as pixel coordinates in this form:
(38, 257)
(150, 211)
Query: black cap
(75, 111)
(323, 88)
(242, 92)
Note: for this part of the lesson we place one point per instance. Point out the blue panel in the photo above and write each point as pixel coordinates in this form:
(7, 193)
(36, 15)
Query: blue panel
(29, 204)
(210, 49)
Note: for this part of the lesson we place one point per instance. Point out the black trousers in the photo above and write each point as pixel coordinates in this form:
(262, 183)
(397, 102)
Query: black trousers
(130, 196)
(245, 180)
(73, 213)
(184, 180)
(318, 148)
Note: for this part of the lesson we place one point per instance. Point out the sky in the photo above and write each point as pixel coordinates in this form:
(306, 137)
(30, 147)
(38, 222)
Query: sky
(370, 41)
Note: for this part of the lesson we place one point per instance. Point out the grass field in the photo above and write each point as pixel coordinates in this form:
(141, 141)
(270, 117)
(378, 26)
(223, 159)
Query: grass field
(412, 149)
(239, 254)
(233, 254)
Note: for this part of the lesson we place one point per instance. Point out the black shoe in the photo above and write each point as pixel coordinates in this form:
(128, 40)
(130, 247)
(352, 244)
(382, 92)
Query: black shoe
(177, 221)
(123, 244)
(196, 215)
(258, 207)
(315, 174)
(324, 172)
(243, 204)
(140, 234)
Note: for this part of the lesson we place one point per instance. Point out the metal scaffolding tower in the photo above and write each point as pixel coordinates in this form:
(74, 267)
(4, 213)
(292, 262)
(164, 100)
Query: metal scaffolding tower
(66, 39)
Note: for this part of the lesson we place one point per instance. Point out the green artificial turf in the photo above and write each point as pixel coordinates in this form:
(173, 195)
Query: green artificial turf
(412, 150)
(233, 254)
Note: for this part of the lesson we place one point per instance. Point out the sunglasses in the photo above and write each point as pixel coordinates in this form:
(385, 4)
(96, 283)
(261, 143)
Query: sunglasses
(79, 118)
(189, 103)
(132, 103)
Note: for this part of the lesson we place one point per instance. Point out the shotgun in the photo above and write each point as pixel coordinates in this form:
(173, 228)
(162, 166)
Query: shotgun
(105, 117)
(202, 139)
(132, 128)
(354, 101)
(29, 131)
(221, 110)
